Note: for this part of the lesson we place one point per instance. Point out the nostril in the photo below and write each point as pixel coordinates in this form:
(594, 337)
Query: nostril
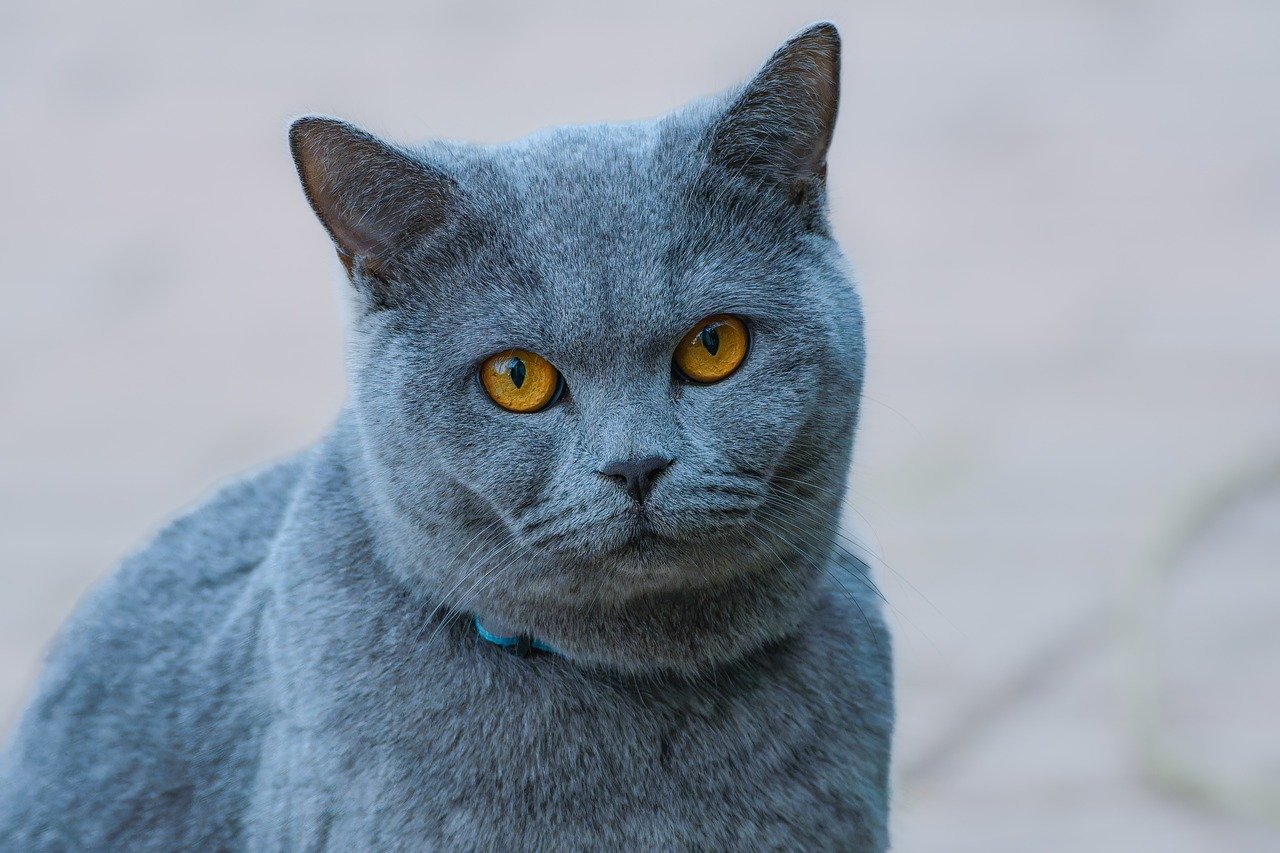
(636, 476)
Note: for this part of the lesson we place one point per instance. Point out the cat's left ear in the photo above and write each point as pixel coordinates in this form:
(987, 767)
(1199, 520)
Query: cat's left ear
(778, 129)
(372, 198)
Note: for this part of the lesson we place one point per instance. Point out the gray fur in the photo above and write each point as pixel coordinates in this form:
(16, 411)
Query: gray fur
(292, 665)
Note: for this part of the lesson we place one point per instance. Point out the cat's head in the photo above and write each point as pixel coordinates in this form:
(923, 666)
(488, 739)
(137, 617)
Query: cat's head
(604, 379)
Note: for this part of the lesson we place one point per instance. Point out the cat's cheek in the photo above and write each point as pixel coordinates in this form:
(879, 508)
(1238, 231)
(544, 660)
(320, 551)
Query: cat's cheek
(502, 454)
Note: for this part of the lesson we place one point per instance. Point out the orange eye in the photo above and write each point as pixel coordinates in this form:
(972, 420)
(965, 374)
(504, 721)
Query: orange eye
(712, 349)
(521, 381)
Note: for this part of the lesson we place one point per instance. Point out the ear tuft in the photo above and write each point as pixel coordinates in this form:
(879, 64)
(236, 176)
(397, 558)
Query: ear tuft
(373, 199)
(779, 128)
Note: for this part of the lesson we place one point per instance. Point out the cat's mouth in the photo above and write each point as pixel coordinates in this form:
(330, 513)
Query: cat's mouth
(639, 538)
(655, 529)
(639, 524)
(638, 531)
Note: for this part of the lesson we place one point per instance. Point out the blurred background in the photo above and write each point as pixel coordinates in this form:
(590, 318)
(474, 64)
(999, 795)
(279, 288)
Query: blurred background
(1066, 220)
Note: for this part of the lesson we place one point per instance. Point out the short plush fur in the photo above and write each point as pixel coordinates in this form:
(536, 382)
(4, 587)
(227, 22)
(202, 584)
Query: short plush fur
(293, 665)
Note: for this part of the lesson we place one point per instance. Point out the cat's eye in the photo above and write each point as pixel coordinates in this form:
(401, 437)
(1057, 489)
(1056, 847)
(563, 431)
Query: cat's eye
(712, 349)
(521, 381)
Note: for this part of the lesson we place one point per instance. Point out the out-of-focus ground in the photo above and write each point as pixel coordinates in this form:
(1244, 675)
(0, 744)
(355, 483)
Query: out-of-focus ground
(1066, 218)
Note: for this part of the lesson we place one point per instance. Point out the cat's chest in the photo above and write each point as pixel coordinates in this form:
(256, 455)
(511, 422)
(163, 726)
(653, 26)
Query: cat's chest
(499, 748)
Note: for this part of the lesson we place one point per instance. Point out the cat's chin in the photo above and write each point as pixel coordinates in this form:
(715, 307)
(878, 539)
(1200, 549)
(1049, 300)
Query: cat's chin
(651, 552)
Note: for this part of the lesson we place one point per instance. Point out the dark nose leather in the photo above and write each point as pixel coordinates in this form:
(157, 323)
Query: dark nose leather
(636, 475)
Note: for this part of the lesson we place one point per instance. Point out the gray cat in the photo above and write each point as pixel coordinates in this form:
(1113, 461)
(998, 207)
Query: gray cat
(565, 574)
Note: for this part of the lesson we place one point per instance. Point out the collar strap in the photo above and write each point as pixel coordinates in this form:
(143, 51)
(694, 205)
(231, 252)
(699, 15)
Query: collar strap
(518, 644)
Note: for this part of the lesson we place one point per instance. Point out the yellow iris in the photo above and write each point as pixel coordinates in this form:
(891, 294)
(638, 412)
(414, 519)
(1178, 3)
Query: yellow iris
(520, 381)
(712, 349)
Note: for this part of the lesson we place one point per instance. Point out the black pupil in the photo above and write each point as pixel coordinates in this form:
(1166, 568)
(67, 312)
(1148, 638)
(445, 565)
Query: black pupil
(515, 369)
(710, 339)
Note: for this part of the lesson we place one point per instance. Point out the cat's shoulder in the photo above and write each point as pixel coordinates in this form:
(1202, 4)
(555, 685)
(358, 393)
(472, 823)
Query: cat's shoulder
(228, 528)
(195, 557)
(163, 594)
(144, 708)
(157, 604)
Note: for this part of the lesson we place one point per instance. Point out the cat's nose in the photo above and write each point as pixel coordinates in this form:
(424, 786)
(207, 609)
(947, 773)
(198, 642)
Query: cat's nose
(636, 475)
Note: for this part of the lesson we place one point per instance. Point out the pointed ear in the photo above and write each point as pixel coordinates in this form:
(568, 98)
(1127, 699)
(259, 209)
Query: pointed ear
(373, 199)
(779, 128)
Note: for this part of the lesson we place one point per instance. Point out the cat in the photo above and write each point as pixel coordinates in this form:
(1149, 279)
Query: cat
(565, 574)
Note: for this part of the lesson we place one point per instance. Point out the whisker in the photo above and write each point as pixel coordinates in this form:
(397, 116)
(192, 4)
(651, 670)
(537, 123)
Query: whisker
(459, 557)
(809, 540)
(875, 557)
(848, 593)
(862, 576)
(866, 580)
(469, 568)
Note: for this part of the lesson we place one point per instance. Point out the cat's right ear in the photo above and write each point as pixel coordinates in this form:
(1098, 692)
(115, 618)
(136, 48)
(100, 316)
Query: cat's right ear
(373, 199)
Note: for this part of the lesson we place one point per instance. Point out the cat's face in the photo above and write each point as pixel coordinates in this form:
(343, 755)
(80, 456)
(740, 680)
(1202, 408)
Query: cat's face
(577, 270)
(601, 266)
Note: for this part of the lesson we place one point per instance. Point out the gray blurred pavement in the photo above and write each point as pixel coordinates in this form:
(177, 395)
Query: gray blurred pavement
(1066, 221)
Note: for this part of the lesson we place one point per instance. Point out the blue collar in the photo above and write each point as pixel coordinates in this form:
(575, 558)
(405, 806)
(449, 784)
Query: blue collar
(518, 644)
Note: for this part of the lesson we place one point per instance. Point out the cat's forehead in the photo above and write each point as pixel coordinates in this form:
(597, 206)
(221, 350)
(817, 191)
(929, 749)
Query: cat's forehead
(611, 182)
(592, 215)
